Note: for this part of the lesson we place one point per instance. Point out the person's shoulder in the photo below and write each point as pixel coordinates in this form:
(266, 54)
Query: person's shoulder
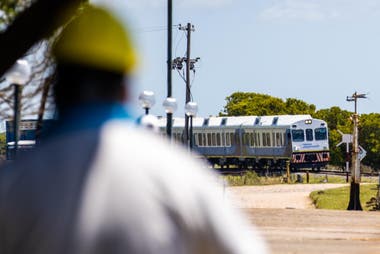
(153, 150)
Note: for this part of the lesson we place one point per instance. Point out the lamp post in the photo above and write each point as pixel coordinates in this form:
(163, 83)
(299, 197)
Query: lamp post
(191, 109)
(170, 105)
(354, 203)
(147, 100)
(18, 76)
(169, 114)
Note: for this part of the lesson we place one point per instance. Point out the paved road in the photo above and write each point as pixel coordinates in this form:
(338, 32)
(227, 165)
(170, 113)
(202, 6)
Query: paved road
(302, 229)
(276, 196)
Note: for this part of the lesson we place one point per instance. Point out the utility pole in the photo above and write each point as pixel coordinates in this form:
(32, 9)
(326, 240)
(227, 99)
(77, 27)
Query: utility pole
(354, 203)
(189, 28)
(169, 115)
(190, 66)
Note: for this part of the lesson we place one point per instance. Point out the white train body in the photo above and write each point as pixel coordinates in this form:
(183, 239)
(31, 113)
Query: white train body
(258, 141)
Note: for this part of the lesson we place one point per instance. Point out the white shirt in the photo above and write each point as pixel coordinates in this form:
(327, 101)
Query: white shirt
(118, 190)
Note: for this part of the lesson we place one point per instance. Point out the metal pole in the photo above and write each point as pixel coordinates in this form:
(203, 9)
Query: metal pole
(191, 133)
(169, 116)
(16, 121)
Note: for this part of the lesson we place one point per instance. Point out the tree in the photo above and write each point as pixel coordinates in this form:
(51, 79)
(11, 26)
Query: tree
(239, 104)
(369, 138)
(27, 23)
(37, 22)
(296, 106)
(35, 89)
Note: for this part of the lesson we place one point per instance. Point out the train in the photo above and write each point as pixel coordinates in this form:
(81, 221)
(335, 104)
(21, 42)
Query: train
(257, 142)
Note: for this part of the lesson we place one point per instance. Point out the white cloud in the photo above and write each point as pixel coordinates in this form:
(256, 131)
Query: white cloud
(319, 10)
(306, 10)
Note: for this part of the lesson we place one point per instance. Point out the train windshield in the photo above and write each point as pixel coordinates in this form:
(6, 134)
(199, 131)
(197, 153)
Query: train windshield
(320, 133)
(309, 134)
(298, 135)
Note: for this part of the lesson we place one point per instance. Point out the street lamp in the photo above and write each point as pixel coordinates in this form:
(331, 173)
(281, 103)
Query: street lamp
(170, 105)
(147, 100)
(18, 76)
(191, 109)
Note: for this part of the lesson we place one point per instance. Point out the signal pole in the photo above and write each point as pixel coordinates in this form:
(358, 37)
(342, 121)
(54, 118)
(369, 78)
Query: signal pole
(354, 203)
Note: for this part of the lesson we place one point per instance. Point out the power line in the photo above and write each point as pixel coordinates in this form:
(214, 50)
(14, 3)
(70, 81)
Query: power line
(152, 29)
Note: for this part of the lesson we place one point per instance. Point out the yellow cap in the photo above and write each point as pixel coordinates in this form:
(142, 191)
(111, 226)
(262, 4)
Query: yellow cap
(97, 39)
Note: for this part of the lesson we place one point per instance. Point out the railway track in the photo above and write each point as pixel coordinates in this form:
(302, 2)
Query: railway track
(282, 172)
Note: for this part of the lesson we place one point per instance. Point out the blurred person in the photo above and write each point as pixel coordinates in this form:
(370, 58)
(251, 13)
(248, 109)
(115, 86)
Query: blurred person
(97, 184)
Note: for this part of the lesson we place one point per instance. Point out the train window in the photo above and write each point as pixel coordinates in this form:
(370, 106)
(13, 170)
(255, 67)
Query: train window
(264, 139)
(198, 139)
(278, 139)
(213, 139)
(273, 139)
(218, 139)
(232, 138)
(209, 139)
(251, 138)
(224, 121)
(257, 120)
(223, 137)
(246, 139)
(228, 142)
(298, 135)
(309, 134)
(204, 139)
(258, 139)
(320, 133)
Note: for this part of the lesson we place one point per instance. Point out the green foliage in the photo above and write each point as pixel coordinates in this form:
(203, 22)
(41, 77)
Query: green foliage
(338, 198)
(2, 145)
(10, 9)
(369, 138)
(243, 104)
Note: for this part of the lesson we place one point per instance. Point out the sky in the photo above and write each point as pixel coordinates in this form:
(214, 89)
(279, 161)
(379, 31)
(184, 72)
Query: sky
(318, 51)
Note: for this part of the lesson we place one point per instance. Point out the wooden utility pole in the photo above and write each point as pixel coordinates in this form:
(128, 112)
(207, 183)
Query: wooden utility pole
(354, 203)
(189, 28)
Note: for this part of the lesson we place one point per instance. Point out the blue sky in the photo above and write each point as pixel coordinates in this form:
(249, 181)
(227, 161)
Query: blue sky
(319, 51)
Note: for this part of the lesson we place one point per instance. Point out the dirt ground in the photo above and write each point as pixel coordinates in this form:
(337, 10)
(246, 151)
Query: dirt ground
(290, 224)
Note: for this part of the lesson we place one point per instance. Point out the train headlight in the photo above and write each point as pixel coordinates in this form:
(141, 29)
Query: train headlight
(308, 121)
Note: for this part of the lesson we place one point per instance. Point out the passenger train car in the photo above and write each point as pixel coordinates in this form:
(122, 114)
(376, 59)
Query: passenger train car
(258, 141)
